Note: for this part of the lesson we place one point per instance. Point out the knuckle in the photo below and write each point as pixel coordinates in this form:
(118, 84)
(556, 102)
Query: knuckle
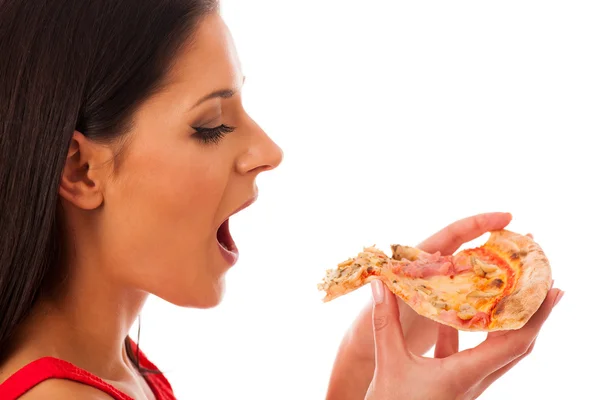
(530, 349)
(451, 236)
(480, 221)
(450, 231)
(515, 344)
(459, 230)
(380, 322)
(519, 348)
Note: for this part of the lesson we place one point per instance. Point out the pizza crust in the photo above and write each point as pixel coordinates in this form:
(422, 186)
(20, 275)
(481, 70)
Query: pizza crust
(532, 284)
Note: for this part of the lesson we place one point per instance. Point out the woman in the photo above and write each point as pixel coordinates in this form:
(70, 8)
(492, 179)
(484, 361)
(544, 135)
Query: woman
(124, 150)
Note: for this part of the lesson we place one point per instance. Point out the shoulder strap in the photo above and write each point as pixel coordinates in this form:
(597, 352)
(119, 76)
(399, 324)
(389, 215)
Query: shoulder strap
(45, 368)
(158, 382)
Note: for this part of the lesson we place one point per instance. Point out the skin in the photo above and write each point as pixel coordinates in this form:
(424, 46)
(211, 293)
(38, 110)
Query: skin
(399, 374)
(380, 356)
(148, 224)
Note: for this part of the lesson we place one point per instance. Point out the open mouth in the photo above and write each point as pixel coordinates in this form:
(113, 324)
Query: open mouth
(226, 244)
(224, 238)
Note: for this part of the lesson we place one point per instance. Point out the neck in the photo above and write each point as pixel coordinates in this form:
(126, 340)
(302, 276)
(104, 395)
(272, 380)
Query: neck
(85, 322)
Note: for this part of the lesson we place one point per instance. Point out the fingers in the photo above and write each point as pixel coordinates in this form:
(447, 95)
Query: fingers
(499, 350)
(447, 342)
(390, 348)
(449, 239)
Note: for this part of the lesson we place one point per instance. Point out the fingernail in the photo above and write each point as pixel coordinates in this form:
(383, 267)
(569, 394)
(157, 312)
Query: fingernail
(560, 295)
(377, 288)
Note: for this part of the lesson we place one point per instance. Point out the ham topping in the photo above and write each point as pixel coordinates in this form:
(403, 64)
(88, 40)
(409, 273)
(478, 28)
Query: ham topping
(480, 319)
(428, 265)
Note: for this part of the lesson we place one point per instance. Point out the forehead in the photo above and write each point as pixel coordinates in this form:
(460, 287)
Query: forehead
(209, 62)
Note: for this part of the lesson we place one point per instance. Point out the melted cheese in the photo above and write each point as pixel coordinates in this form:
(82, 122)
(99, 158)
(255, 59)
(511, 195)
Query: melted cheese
(437, 293)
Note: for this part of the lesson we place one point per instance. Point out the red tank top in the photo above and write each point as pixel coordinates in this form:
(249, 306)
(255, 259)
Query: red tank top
(53, 368)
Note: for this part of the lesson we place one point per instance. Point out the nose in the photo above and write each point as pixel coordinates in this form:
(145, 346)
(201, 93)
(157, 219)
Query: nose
(263, 154)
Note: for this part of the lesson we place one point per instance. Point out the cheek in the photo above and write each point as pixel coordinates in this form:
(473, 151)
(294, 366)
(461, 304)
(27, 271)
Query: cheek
(162, 214)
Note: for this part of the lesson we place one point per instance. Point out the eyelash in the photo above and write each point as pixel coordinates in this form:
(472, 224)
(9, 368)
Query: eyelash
(213, 135)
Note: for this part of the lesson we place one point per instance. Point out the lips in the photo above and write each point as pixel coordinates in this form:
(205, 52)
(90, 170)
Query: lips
(226, 243)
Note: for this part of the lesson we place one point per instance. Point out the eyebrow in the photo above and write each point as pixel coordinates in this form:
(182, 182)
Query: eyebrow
(223, 94)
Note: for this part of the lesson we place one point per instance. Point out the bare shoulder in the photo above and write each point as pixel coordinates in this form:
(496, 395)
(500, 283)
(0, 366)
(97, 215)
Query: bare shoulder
(64, 389)
(49, 388)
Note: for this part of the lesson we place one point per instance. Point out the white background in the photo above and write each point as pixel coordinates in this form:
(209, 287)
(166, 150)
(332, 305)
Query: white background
(396, 119)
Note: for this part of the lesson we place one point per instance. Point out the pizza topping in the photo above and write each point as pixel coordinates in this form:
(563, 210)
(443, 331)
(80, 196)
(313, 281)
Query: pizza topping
(346, 263)
(465, 290)
(506, 243)
(425, 266)
(410, 253)
(345, 269)
(482, 268)
(481, 318)
(477, 267)
(438, 284)
(487, 268)
(466, 311)
(478, 271)
(440, 304)
(480, 294)
(374, 252)
(496, 283)
(414, 263)
(424, 289)
(461, 267)
(451, 317)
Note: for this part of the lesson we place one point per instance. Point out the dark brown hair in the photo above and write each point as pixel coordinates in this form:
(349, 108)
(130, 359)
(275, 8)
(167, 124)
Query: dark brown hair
(68, 65)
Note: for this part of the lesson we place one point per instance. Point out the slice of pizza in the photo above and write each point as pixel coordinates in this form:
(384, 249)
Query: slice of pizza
(497, 286)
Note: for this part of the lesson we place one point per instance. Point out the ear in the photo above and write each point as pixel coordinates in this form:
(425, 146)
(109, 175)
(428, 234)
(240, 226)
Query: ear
(84, 174)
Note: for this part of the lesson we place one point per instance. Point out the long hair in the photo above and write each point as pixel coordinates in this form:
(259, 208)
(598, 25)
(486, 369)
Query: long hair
(68, 65)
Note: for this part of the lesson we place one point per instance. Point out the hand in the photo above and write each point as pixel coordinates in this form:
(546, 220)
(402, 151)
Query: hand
(355, 362)
(399, 374)
(421, 332)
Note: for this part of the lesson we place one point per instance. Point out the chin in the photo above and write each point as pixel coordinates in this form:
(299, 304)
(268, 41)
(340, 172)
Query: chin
(213, 299)
(206, 296)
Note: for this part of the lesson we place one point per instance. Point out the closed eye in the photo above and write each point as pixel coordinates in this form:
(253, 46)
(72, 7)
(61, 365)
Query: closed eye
(212, 135)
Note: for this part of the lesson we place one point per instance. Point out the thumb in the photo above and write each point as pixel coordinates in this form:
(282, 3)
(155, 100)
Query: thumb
(387, 330)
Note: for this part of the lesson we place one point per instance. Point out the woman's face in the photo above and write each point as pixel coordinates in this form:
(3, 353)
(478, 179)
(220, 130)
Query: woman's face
(163, 227)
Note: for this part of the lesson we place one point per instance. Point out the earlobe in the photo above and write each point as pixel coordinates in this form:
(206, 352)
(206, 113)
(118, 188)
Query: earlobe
(77, 185)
